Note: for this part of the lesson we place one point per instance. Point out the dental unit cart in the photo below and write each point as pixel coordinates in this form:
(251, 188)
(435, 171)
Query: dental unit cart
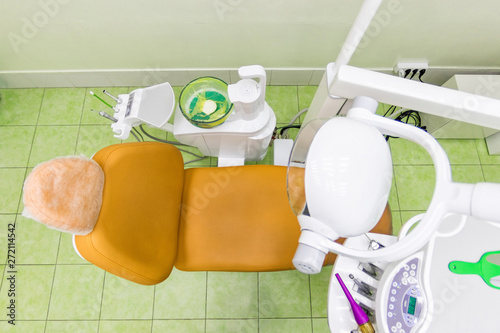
(242, 125)
(421, 293)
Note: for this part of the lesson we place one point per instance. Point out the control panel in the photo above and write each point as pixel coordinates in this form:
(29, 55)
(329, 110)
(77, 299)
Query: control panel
(403, 296)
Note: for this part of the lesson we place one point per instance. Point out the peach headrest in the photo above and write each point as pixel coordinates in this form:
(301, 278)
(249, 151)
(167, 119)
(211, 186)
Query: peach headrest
(65, 194)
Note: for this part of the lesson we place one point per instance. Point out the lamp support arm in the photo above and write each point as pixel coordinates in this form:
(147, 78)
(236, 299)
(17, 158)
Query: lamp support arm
(350, 82)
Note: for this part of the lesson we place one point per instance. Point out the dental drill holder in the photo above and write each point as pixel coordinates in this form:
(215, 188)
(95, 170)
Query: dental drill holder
(246, 134)
(340, 318)
(152, 105)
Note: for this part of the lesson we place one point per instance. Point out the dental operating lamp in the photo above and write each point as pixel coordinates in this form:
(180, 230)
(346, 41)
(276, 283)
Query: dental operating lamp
(340, 169)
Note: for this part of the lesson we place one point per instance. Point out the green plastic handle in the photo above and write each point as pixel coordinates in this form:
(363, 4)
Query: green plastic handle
(488, 267)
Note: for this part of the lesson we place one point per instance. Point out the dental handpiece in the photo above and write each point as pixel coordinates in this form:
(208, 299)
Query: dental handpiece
(363, 287)
(368, 269)
(117, 100)
(364, 324)
(105, 115)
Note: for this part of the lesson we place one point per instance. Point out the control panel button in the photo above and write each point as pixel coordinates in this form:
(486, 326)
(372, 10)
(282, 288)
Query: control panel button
(404, 303)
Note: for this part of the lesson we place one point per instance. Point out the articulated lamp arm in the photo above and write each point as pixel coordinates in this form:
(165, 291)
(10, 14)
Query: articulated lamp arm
(319, 228)
(319, 231)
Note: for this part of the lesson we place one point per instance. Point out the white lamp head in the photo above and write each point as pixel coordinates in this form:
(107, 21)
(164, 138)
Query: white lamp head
(348, 176)
(339, 178)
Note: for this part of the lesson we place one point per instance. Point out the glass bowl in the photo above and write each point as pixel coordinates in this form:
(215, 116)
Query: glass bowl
(204, 102)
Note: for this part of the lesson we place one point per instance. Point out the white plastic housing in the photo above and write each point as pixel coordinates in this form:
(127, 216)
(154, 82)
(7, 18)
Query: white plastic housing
(246, 134)
(282, 151)
(232, 142)
(485, 203)
(152, 105)
(308, 259)
(348, 176)
(247, 95)
(350, 82)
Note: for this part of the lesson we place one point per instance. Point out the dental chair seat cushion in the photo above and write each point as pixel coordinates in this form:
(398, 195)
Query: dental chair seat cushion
(136, 234)
(65, 194)
(236, 219)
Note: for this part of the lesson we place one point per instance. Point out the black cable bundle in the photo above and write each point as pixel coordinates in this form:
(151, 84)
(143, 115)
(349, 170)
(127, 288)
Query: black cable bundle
(411, 117)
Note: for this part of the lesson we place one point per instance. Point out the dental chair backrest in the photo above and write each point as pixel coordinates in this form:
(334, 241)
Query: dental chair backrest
(155, 215)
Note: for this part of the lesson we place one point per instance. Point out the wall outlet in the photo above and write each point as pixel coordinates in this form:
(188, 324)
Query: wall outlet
(401, 67)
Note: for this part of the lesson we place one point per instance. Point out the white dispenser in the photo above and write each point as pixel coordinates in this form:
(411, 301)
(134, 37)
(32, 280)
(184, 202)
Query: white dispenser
(247, 95)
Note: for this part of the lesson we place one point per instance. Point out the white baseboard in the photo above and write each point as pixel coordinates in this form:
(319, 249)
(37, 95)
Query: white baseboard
(148, 77)
(180, 77)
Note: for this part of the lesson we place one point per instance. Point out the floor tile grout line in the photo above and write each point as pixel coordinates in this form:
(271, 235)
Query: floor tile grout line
(153, 309)
(206, 301)
(80, 123)
(482, 172)
(60, 264)
(52, 284)
(45, 125)
(102, 301)
(169, 319)
(12, 167)
(399, 203)
(310, 302)
(30, 152)
(258, 302)
(298, 105)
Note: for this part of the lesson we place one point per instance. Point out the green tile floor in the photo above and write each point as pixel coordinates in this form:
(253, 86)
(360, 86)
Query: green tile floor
(56, 291)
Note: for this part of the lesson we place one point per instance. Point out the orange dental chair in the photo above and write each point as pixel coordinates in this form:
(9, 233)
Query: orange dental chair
(155, 215)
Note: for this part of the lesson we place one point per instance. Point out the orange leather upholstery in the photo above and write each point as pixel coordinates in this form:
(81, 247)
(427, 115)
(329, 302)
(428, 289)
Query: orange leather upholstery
(135, 236)
(236, 219)
(156, 215)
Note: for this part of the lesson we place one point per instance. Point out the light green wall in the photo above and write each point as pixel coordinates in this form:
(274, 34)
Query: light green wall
(151, 34)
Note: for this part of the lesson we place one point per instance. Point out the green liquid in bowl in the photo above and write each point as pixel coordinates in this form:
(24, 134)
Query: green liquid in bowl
(204, 102)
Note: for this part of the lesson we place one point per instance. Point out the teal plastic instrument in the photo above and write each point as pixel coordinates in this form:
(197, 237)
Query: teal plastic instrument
(488, 267)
